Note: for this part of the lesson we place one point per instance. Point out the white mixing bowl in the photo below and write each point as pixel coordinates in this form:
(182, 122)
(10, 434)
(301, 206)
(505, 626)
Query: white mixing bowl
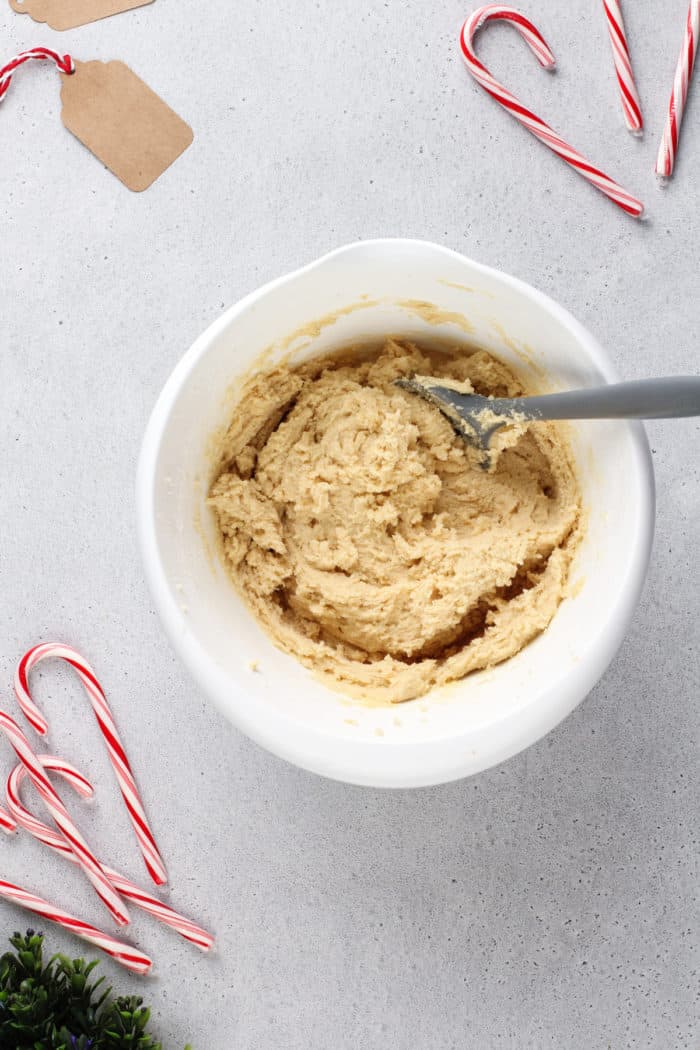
(367, 290)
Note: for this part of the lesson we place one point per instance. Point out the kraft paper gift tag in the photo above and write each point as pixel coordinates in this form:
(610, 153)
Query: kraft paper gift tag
(112, 112)
(68, 14)
(123, 122)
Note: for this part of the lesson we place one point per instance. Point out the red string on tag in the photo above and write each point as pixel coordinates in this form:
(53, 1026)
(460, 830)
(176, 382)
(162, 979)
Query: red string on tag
(64, 64)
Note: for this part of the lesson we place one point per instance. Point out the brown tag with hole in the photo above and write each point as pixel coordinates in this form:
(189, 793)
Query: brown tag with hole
(125, 124)
(67, 14)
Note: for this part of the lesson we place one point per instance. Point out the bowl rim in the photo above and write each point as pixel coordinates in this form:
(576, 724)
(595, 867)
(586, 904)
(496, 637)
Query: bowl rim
(363, 762)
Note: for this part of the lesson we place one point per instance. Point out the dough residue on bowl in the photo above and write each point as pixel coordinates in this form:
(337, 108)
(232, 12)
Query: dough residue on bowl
(366, 539)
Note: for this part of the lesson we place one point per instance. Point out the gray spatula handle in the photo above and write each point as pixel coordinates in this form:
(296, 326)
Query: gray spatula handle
(667, 398)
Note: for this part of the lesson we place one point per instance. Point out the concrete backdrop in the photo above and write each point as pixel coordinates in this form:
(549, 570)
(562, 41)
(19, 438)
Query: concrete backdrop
(551, 902)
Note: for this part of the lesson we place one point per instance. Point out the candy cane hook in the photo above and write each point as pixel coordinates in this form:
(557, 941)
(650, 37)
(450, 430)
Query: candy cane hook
(108, 728)
(55, 841)
(538, 45)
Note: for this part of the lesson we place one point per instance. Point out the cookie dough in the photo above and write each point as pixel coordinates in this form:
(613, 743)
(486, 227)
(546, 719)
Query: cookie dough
(367, 540)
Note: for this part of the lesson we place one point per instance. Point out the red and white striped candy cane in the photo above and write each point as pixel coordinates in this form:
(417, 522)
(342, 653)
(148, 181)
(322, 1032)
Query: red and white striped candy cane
(84, 855)
(666, 159)
(124, 954)
(151, 905)
(70, 774)
(64, 64)
(631, 105)
(526, 117)
(7, 823)
(108, 728)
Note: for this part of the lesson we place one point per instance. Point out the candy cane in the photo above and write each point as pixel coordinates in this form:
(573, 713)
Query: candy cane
(70, 774)
(108, 728)
(526, 117)
(631, 105)
(7, 824)
(64, 64)
(124, 954)
(187, 929)
(84, 856)
(666, 159)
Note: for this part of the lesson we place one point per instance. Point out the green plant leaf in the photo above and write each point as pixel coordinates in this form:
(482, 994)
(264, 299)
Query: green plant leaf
(56, 1005)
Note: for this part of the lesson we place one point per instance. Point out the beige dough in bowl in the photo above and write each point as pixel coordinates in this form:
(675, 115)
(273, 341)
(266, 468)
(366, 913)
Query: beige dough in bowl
(364, 534)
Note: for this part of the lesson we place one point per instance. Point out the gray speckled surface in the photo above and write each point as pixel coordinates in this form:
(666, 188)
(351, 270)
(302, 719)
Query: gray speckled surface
(551, 902)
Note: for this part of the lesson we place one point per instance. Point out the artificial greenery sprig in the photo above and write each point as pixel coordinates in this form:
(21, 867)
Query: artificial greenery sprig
(58, 1006)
